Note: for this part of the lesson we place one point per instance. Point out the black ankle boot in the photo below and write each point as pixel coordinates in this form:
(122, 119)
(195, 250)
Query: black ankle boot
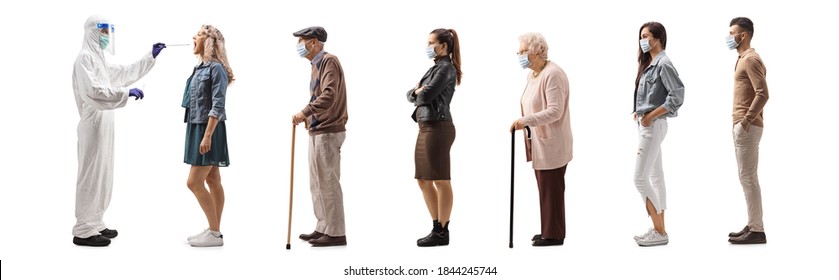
(438, 236)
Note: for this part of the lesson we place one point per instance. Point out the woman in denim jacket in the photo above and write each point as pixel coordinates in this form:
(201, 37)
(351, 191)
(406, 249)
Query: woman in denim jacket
(658, 95)
(432, 96)
(206, 136)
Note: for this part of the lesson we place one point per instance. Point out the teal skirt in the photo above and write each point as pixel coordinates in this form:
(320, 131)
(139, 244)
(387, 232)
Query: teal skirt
(217, 156)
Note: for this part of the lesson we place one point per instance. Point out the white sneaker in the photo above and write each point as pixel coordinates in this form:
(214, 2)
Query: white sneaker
(642, 236)
(654, 239)
(198, 235)
(208, 239)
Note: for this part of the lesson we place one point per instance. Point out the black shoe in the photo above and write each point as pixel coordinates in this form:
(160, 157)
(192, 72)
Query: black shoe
(740, 233)
(434, 239)
(548, 242)
(439, 236)
(311, 236)
(536, 237)
(750, 237)
(93, 241)
(109, 233)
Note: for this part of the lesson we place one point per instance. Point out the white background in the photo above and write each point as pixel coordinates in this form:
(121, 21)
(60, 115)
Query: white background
(382, 48)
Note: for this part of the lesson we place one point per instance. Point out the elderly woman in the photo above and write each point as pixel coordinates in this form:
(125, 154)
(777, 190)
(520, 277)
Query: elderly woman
(544, 107)
(206, 134)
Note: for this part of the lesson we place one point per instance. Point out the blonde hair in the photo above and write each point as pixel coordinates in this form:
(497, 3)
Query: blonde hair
(214, 49)
(536, 44)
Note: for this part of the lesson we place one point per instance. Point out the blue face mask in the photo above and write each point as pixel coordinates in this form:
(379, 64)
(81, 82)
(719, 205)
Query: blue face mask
(731, 42)
(104, 41)
(524, 61)
(429, 51)
(301, 49)
(645, 45)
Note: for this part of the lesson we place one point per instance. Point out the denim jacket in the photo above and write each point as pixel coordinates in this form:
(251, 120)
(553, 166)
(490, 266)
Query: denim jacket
(432, 104)
(205, 93)
(660, 85)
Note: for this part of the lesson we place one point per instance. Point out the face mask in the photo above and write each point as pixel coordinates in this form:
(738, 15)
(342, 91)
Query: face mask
(301, 49)
(429, 51)
(524, 61)
(645, 45)
(731, 42)
(104, 41)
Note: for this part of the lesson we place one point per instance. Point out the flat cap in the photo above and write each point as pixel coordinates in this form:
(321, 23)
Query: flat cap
(312, 32)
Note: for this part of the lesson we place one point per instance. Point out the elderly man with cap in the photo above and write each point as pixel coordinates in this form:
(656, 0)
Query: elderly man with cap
(326, 117)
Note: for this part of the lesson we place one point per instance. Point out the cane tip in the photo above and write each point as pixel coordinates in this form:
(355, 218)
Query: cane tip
(288, 246)
(511, 245)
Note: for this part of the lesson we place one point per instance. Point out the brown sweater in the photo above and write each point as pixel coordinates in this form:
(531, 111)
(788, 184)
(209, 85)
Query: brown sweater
(750, 91)
(327, 110)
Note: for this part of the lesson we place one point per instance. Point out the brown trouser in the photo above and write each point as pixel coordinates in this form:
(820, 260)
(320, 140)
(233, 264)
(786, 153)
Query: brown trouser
(746, 148)
(552, 202)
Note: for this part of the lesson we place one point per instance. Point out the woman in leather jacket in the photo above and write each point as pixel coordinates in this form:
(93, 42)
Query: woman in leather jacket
(432, 96)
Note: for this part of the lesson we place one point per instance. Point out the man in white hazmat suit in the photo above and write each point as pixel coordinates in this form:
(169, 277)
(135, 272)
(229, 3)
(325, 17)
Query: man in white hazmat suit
(99, 88)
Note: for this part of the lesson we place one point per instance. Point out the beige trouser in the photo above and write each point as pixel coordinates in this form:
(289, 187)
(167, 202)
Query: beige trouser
(324, 176)
(746, 148)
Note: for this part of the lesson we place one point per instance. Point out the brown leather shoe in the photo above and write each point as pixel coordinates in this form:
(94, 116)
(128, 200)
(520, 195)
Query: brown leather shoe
(740, 233)
(312, 236)
(548, 242)
(326, 240)
(750, 237)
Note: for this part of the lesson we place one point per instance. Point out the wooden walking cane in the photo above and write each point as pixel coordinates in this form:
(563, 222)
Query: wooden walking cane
(291, 187)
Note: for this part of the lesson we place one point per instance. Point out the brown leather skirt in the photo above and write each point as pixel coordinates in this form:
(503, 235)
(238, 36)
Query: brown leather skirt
(431, 155)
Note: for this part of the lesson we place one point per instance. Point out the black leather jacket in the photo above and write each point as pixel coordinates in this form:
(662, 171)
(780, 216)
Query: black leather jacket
(432, 103)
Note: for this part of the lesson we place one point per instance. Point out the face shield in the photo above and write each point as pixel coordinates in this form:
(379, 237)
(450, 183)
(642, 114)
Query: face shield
(106, 37)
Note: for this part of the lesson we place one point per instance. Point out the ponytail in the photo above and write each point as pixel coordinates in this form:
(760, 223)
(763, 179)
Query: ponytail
(449, 36)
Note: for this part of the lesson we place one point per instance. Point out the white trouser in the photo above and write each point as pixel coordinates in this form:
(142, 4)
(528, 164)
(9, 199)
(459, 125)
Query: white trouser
(324, 182)
(649, 174)
(746, 146)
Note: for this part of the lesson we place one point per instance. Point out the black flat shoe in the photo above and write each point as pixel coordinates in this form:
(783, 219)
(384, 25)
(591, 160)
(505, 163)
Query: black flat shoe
(548, 242)
(109, 233)
(93, 241)
(536, 237)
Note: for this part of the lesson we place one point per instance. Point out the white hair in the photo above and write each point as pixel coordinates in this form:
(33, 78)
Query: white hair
(536, 44)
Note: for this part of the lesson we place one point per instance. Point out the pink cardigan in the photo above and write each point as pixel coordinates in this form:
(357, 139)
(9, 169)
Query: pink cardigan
(544, 105)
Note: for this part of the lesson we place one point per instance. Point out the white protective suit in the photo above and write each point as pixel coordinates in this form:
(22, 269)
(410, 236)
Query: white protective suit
(99, 88)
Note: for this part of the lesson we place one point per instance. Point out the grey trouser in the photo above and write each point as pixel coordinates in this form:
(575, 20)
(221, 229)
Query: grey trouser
(324, 176)
(746, 148)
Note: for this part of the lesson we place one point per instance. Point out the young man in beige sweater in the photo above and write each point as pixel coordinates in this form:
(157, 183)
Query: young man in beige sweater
(750, 95)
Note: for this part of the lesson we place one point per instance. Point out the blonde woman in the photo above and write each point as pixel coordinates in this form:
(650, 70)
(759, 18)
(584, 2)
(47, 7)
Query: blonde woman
(206, 135)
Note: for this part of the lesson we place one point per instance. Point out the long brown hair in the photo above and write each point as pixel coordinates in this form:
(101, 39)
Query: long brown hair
(449, 36)
(644, 59)
(214, 50)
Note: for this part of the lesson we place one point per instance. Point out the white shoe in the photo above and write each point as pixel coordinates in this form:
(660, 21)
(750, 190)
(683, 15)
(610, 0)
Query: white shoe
(642, 236)
(208, 239)
(198, 235)
(654, 239)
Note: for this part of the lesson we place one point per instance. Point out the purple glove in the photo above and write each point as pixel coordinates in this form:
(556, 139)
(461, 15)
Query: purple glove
(156, 48)
(136, 93)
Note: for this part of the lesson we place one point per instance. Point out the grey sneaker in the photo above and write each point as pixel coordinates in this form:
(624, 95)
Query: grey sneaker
(208, 239)
(654, 239)
(642, 236)
(198, 235)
